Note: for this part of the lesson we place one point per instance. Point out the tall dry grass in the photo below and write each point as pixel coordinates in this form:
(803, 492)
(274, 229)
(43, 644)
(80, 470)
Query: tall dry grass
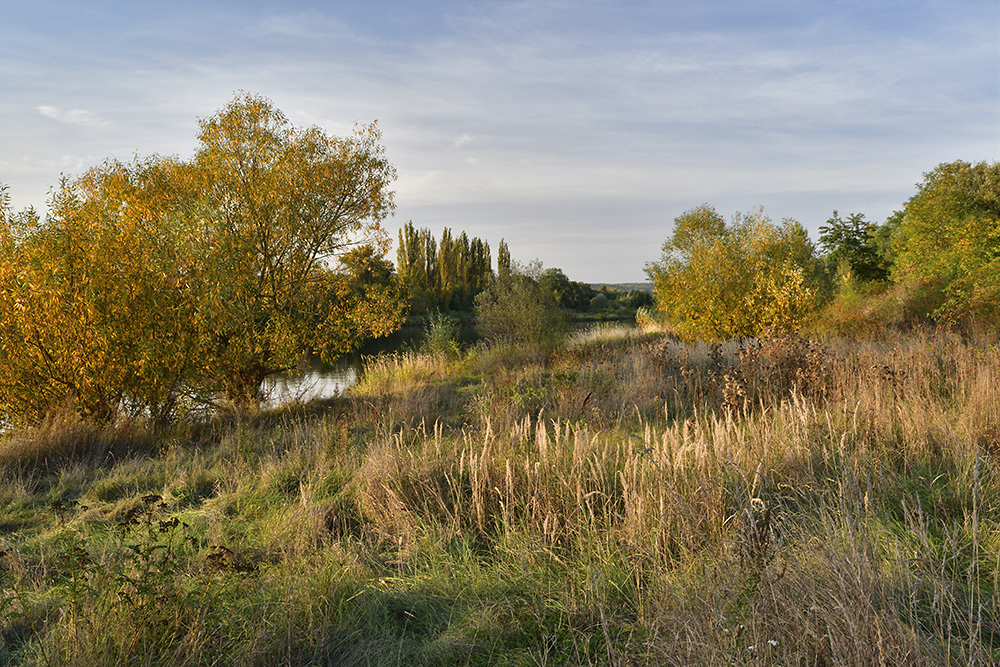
(631, 500)
(833, 514)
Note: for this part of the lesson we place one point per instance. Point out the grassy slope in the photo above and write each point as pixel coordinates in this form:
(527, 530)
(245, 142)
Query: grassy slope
(633, 501)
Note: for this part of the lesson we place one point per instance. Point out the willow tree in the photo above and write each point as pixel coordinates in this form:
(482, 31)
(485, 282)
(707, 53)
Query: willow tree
(97, 302)
(162, 280)
(283, 201)
(719, 281)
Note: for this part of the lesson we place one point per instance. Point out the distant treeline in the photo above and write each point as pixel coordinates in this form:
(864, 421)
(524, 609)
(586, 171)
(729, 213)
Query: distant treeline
(445, 274)
(625, 287)
(583, 298)
(448, 273)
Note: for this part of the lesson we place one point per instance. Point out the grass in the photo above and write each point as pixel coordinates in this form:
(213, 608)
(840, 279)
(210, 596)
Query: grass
(629, 500)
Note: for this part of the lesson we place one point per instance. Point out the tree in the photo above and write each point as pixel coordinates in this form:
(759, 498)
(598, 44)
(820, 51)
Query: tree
(949, 238)
(503, 259)
(570, 294)
(637, 298)
(362, 298)
(282, 199)
(98, 302)
(599, 302)
(416, 256)
(555, 281)
(515, 308)
(853, 245)
(446, 274)
(163, 280)
(721, 281)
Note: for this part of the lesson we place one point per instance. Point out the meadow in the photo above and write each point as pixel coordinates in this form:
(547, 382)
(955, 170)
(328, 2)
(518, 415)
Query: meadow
(626, 500)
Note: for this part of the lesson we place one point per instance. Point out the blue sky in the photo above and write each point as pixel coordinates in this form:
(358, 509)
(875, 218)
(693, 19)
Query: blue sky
(577, 131)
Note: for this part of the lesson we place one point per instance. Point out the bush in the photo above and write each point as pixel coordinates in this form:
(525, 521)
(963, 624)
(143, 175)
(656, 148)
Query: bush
(441, 336)
(516, 309)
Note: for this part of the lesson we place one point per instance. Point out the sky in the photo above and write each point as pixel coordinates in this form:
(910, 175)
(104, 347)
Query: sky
(575, 130)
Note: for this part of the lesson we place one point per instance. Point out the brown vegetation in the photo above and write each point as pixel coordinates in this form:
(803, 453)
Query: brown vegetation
(632, 500)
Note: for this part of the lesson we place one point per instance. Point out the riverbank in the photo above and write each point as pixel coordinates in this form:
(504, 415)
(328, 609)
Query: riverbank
(319, 381)
(630, 500)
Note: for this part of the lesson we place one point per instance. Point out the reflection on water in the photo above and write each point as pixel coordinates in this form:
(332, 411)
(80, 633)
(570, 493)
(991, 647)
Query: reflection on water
(327, 381)
(316, 383)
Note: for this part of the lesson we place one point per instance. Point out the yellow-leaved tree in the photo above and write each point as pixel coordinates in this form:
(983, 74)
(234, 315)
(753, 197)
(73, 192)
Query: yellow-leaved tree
(161, 285)
(95, 308)
(720, 281)
(283, 200)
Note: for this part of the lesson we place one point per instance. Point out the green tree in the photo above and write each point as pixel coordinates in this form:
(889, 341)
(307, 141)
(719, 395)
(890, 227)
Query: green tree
(570, 294)
(503, 259)
(853, 245)
(410, 257)
(949, 238)
(720, 281)
(415, 267)
(446, 274)
(637, 298)
(516, 309)
(361, 298)
(555, 281)
(599, 302)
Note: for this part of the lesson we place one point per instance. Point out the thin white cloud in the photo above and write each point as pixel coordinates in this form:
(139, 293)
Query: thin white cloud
(80, 117)
(548, 119)
(304, 25)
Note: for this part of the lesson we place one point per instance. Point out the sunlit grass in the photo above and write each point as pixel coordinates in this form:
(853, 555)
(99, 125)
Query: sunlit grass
(618, 503)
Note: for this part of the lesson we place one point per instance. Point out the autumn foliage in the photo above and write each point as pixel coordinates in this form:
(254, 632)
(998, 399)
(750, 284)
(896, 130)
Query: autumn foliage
(718, 281)
(161, 285)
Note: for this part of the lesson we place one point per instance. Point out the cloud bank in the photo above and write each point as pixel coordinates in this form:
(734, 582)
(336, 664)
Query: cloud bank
(577, 131)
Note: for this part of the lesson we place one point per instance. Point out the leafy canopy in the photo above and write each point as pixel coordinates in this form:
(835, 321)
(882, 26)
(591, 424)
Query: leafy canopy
(720, 281)
(949, 237)
(159, 285)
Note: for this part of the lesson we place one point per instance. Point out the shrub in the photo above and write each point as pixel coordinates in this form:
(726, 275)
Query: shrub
(515, 308)
(441, 336)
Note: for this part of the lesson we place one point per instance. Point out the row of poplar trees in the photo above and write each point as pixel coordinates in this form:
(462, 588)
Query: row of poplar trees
(445, 274)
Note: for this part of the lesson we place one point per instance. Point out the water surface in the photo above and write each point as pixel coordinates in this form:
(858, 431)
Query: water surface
(321, 381)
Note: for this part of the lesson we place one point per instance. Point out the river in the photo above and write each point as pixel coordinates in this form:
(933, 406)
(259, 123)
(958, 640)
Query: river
(328, 380)
(321, 381)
